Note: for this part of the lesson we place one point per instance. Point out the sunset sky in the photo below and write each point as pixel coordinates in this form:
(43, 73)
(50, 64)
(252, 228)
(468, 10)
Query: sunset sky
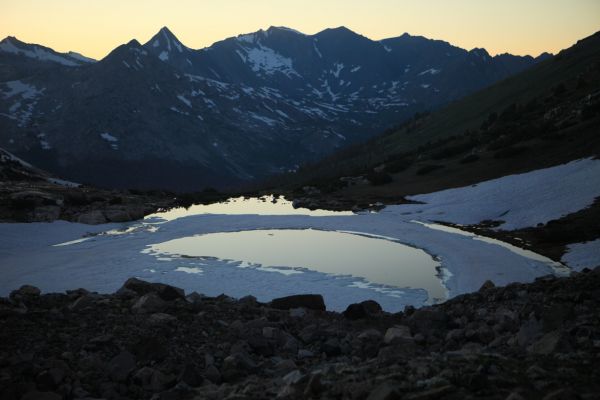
(94, 28)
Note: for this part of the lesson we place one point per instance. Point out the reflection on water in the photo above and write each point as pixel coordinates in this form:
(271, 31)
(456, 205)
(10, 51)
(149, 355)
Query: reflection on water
(266, 205)
(377, 260)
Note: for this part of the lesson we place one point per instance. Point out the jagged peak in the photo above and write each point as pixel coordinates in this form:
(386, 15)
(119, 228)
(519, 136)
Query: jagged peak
(165, 41)
(133, 43)
(10, 39)
(480, 52)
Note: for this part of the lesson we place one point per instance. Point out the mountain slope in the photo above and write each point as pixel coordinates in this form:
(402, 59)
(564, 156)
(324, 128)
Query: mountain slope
(163, 115)
(551, 109)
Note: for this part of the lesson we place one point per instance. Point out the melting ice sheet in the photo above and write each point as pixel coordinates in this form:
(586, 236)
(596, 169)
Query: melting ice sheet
(101, 258)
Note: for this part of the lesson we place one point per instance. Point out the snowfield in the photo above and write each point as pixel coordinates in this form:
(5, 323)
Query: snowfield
(101, 257)
(583, 255)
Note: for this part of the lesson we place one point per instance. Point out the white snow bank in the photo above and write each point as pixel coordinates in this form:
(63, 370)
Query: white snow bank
(583, 255)
(521, 201)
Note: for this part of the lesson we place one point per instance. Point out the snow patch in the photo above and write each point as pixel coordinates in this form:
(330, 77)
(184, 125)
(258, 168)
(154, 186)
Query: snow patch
(36, 52)
(266, 60)
(521, 201)
(583, 255)
(431, 71)
(317, 50)
(184, 100)
(110, 139)
(263, 119)
(338, 68)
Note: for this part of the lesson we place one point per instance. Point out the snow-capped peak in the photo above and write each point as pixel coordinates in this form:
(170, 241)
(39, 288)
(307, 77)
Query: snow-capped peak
(165, 44)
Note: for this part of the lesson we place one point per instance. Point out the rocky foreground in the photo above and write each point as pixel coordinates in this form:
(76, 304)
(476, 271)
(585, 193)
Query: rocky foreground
(523, 341)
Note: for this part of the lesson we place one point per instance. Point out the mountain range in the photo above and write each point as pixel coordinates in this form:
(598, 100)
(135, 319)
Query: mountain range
(162, 115)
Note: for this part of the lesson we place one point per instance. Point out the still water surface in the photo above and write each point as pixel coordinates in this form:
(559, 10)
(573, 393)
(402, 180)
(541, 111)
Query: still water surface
(290, 251)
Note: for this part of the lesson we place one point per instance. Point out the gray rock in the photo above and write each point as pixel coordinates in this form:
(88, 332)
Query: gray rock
(385, 391)
(428, 320)
(161, 318)
(237, 365)
(315, 386)
(117, 214)
(46, 213)
(149, 303)
(35, 395)
(83, 302)
(191, 376)
(212, 374)
(309, 301)
(92, 218)
(297, 312)
(397, 334)
(303, 353)
(285, 365)
(165, 292)
(487, 285)
(515, 396)
(365, 309)
(152, 379)
(370, 335)
(194, 298)
(547, 344)
(121, 366)
(25, 291)
(293, 377)
(529, 332)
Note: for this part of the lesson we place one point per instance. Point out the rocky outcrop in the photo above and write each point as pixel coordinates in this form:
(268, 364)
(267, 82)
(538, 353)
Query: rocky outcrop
(148, 340)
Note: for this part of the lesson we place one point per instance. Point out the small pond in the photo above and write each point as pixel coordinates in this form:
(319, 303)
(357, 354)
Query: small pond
(291, 251)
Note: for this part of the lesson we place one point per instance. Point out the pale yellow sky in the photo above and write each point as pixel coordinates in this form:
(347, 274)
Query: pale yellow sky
(95, 27)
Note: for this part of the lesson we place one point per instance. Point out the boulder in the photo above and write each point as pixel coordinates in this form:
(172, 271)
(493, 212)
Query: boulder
(152, 379)
(25, 291)
(191, 376)
(121, 366)
(547, 344)
(116, 214)
(95, 217)
(212, 374)
(309, 301)
(487, 285)
(161, 318)
(165, 292)
(385, 391)
(83, 302)
(149, 303)
(428, 320)
(194, 298)
(35, 395)
(365, 309)
(397, 334)
(46, 213)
